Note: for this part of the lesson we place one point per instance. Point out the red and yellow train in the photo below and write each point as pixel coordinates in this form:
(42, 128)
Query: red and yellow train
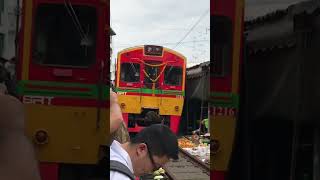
(226, 49)
(62, 73)
(151, 79)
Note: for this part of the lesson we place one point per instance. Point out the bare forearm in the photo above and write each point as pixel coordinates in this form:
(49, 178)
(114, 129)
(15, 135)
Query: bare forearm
(17, 160)
(115, 113)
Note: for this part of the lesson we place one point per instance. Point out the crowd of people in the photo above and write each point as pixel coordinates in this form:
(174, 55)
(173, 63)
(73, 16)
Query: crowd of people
(149, 150)
(7, 76)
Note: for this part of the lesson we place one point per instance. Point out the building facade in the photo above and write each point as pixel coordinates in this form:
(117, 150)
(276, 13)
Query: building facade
(8, 20)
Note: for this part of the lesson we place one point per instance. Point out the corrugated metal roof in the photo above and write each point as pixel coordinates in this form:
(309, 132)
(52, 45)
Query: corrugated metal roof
(258, 8)
(276, 30)
(198, 70)
(112, 33)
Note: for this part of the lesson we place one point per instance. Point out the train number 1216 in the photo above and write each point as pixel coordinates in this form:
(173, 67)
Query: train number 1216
(223, 111)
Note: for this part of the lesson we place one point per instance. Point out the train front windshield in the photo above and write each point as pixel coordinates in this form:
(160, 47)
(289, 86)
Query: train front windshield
(130, 72)
(152, 73)
(173, 76)
(65, 35)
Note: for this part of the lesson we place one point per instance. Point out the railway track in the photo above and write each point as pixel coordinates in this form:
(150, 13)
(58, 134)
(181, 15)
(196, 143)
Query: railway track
(187, 168)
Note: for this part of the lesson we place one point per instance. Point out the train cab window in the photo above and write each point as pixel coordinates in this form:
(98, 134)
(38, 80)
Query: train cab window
(152, 74)
(65, 35)
(173, 76)
(130, 72)
(222, 46)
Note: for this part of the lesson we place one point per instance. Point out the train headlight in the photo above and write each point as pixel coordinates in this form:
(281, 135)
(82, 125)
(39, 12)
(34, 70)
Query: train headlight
(41, 137)
(176, 108)
(123, 105)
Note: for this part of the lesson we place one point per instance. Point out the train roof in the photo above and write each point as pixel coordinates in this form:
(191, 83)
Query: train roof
(142, 46)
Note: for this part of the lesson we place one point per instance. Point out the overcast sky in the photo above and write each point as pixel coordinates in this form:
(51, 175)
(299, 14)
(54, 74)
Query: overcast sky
(166, 22)
(163, 22)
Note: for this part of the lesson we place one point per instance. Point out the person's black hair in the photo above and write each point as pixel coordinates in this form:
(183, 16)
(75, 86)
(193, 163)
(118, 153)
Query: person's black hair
(152, 117)
(160, 140)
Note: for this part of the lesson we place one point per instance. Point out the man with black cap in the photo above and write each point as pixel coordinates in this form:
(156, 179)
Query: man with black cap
(149, 150)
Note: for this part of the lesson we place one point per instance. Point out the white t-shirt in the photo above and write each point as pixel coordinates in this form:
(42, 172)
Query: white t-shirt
(3, 88)
(10, 67)
(117, 153)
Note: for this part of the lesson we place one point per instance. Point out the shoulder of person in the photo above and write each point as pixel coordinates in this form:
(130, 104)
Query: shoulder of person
(3, 88)
(12, 113)
(114, 175)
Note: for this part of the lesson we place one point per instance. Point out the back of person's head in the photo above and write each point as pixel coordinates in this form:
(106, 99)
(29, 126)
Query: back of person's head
(152, 117)
(160, 140)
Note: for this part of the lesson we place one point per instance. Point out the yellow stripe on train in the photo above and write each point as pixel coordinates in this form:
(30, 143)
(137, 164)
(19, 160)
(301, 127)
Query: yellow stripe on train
(166, 105)
(73, 134)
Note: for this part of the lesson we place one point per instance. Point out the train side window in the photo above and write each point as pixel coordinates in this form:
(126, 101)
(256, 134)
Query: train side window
(222, 46)
(65, 35)
(173, 76)
(130, 72)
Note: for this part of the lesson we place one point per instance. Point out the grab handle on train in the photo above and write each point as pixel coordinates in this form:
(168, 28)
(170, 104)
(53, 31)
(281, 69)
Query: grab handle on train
(100, 95)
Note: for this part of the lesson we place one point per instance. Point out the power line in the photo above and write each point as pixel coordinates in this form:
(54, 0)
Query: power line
(199, 20)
